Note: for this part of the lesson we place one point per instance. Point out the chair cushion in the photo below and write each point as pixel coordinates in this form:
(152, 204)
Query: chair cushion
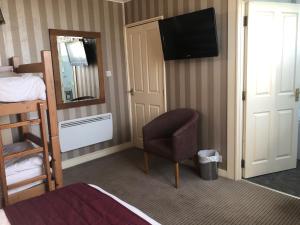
(161, 147)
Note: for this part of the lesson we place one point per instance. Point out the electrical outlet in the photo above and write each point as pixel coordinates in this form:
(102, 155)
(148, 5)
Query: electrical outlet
(108, 73)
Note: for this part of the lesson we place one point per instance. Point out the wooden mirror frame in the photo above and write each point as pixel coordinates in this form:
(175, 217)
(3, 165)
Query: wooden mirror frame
(53, 33)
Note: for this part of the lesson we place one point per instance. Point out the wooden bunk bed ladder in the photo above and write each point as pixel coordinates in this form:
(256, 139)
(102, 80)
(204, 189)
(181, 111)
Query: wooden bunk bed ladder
(44, 67)
(52, 178)
(42, 112)
(37, 150)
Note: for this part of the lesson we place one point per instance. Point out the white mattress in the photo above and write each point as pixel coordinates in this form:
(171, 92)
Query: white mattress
(4, 220)
(21, 88)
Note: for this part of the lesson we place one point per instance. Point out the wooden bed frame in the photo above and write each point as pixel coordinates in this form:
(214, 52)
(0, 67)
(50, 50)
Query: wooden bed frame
(21, 109)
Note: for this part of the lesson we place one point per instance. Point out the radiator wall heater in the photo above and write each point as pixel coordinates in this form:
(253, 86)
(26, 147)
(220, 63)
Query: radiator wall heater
(78, 133)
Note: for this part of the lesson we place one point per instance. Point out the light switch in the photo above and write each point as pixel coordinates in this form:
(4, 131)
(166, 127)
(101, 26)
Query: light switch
(108, 73)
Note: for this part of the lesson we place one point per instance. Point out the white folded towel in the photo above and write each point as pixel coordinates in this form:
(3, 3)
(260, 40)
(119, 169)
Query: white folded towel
(23, 168)
(24, 163)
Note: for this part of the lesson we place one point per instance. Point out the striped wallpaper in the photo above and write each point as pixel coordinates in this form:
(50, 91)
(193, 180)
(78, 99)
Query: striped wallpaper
(196, 83)
(26, 33)
(87, 81)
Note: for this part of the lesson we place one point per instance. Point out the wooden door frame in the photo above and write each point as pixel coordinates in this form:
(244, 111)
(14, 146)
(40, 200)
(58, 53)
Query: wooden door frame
(236, 10)
(139, 23)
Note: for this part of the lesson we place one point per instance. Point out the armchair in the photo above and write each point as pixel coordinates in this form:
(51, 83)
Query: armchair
(173, 135)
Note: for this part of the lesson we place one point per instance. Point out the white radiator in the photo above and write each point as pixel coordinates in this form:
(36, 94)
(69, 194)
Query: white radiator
(78, 133)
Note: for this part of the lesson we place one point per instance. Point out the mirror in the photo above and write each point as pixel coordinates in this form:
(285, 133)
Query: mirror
(77, 68)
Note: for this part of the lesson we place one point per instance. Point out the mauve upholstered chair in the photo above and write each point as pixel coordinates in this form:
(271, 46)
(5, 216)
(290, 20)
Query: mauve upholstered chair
(174, 136)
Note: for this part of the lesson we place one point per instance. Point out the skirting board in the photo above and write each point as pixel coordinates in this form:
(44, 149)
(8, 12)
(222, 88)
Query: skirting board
(222, 173)
(95, 155)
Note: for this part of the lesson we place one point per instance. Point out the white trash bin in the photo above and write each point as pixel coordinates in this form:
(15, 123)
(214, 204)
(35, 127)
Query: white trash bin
(208, 161)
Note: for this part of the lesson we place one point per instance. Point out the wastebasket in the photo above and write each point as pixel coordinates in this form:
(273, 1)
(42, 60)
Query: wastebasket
(208, 163)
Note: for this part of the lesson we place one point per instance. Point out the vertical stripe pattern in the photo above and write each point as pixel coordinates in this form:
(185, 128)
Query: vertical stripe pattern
(87, 80)
(25, 34)
(196, 83)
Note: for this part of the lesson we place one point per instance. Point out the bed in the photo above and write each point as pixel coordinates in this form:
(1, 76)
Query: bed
(74, 204)
(30, 89)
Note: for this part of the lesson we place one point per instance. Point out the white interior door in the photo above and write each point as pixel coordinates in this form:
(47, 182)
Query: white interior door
(147, 77)
(272, 79)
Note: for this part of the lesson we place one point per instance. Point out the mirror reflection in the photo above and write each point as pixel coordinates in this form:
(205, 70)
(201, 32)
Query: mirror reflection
(78, 68)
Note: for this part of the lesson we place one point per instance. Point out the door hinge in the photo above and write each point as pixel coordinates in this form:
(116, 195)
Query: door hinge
(245, 21)
(244, 96)
(243, 163)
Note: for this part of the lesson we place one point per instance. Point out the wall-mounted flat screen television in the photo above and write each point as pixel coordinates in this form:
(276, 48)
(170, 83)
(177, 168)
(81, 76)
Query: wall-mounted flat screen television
(76, 53)
(90, 48)
(192, 35)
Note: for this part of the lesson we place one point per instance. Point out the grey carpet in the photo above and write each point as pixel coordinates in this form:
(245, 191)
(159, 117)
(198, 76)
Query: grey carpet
(196, 201)
(286, 181)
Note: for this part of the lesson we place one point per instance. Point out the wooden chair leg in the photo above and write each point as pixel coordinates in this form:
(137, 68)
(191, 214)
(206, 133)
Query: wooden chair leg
(146, 162)
(176, 174)
(195, 159)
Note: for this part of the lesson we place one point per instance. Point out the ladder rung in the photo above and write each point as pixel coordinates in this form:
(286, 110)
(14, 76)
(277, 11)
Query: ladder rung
(20, 124)
(25, 182)
(26, 152)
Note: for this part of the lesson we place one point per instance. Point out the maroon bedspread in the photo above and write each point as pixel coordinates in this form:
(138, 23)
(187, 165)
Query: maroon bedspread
(77, 204)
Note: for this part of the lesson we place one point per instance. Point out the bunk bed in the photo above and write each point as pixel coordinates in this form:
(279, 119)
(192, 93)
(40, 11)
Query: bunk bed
(47, 113)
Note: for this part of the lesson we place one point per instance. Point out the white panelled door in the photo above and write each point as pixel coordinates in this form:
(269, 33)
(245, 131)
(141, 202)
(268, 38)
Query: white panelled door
(272, 86)
(147, 77)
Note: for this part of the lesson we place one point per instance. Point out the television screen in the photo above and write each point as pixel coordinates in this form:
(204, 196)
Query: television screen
(76, 53)
(90, 50)
(191, 35)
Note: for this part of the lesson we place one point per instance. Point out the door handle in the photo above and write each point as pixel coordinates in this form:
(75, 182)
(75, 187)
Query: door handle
(297, 93)
(131, 91)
